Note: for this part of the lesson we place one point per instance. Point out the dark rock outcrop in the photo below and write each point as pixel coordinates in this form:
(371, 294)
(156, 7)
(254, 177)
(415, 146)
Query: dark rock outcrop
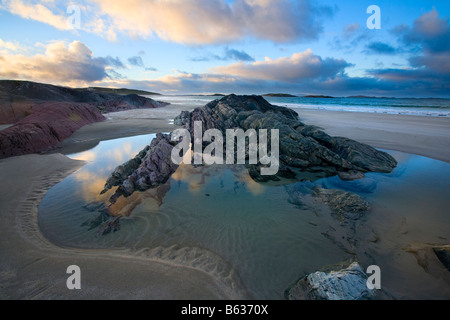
(345, 284)
(303, 148)
(306, 153)
(152, 167)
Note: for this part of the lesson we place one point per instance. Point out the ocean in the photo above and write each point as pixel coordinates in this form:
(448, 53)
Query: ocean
(409, 106)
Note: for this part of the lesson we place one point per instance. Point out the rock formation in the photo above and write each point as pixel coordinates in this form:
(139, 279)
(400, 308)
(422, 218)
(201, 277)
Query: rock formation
(306, 153)
(46, 127)
(44, 115)
(152, 167)
(345, 284)
(19, 98)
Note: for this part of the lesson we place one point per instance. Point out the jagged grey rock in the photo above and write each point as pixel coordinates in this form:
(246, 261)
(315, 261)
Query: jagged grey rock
(345, 284)
(306, 152)
(152, 167)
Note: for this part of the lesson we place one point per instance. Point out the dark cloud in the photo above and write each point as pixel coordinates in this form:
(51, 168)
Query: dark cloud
(112, 74)
(429, 44)
(136, 61)
(110, 61)
(230, 54)
(299, 66)
(429, 31)
(378, 47)
(239, 55)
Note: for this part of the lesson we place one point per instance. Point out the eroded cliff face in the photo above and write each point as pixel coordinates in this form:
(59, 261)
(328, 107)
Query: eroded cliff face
(46, 127)
(44, 115)
(19, 98)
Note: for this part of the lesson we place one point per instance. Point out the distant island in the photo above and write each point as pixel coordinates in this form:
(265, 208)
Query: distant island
(319, 96)
(119, 91)
(279, 95)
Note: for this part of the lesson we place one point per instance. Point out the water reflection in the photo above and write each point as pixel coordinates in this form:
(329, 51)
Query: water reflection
(253, 227)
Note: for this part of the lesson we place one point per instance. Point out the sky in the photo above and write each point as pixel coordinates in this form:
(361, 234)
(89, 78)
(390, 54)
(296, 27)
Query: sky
(231, 46)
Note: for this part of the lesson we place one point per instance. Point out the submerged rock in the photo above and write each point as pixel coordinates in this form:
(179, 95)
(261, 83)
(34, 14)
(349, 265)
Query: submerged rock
(345, 284)
(109, 226)
(345, 205)
(443, 254)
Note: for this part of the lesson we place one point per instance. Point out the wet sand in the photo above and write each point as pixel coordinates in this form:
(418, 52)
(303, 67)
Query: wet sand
(33, 268)
(425, 136)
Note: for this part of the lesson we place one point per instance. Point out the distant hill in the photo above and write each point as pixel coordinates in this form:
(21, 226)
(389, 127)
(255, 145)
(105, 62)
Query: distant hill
(17, 98)
(319, 96)
(120, 91)
(280, 95)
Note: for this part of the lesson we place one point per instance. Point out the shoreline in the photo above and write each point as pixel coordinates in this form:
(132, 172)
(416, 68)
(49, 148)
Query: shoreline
(33, 268)
(424, 136)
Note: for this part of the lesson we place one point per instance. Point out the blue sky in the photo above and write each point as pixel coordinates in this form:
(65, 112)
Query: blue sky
(241, 46)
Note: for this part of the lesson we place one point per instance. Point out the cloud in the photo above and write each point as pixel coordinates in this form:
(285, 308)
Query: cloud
(201, 22)
(378, 47)
(61, 63)
(37, 12)
(429, 31)
(229, 54)
(429, 42)
(8, 45)
(136, 61)
(350, 38)
(300, 66)
(233, 54)
(350, 30)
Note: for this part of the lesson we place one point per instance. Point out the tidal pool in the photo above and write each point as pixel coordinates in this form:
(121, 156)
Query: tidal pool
(227, 221)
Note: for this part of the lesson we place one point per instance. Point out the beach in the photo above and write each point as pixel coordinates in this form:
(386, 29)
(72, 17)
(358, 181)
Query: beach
(34, 268)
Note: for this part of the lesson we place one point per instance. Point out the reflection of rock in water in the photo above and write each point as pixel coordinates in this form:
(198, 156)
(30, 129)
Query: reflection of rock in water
(108, 218)
(365, 185)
